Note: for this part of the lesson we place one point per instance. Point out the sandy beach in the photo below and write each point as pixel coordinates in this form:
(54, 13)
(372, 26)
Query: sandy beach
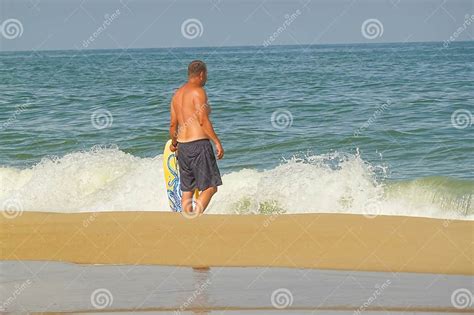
(320, 241)
(134, 262)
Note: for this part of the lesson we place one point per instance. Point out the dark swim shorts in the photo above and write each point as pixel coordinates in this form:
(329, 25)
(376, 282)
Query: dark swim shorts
(197, 165)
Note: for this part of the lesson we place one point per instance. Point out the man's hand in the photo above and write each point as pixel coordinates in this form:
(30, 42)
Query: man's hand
(220, 150)
(173, 148)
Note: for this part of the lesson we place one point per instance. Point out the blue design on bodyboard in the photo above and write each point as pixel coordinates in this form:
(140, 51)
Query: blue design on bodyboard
(175, 193)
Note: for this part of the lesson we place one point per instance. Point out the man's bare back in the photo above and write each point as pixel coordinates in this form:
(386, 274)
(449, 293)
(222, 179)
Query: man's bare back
(187, 106)
(190, 114)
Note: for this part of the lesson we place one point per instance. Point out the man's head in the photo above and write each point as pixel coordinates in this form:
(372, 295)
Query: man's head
(197, 72)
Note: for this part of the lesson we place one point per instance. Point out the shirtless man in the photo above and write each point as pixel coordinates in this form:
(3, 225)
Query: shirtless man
(190, 131)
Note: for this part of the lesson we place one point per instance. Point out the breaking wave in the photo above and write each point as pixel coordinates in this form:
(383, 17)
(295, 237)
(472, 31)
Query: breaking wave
(107, 179)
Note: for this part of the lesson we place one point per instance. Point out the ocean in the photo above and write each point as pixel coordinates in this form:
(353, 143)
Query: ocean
(377, 129)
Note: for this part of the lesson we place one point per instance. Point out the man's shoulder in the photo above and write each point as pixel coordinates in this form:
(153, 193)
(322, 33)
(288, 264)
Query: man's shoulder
(179, 89)
(176, 92)
(199, 90)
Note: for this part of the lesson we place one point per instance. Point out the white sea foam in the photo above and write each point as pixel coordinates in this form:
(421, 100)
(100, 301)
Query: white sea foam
(111, 180)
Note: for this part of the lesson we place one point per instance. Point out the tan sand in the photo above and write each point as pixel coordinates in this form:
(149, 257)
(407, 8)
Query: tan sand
(323, 241)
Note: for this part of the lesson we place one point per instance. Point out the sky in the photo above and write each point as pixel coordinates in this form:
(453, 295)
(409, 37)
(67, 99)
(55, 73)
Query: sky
(118, 24)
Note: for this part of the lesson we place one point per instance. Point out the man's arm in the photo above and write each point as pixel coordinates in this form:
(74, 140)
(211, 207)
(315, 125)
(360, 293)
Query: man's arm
(203, 110)
(173, 126)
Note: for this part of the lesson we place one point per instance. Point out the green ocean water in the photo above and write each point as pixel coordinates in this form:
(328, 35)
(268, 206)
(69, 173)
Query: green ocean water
(403, 111)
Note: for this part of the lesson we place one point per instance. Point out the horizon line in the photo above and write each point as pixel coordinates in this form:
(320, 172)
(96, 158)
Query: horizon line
(229, 46)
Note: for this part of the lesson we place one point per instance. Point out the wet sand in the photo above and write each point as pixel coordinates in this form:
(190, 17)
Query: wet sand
(53, 287)
(322, 241)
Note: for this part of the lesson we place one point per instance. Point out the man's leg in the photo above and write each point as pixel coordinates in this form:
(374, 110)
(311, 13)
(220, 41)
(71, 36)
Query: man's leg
(187, 201)
(204, 198)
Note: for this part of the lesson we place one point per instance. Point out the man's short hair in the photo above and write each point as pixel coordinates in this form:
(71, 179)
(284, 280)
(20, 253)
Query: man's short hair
(196, 67)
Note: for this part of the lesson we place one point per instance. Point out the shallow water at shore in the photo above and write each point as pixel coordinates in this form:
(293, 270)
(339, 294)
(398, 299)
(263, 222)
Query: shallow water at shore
(45, 286)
